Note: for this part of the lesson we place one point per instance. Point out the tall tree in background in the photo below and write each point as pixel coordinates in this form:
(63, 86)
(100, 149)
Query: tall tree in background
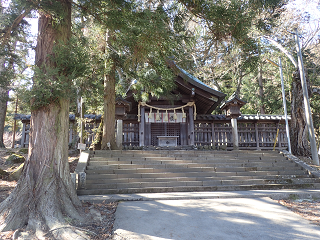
(139, 39)
(285, 42)
(12, 31)
(3, 91)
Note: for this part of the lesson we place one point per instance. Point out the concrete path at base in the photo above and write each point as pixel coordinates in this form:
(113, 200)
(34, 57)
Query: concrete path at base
(219, 218)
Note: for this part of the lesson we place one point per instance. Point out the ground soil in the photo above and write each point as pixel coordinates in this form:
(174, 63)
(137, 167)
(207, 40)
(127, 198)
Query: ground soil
(101, 227)
(307, 208)
(100, 217)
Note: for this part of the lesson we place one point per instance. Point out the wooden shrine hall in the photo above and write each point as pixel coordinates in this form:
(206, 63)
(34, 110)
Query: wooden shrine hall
(187, 121)
(171, 123)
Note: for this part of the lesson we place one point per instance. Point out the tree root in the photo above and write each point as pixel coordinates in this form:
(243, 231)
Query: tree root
(41, 209)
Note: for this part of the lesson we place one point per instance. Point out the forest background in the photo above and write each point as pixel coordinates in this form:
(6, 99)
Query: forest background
(231, 62)
(97, 49)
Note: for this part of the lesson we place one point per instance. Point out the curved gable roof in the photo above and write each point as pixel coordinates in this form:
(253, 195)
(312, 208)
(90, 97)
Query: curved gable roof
(207, 98)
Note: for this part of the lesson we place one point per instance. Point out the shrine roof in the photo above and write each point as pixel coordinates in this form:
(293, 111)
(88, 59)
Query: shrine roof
(193, 80)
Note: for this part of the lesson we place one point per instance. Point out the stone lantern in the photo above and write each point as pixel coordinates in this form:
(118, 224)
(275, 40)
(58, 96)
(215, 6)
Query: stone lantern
(232, 109)
(121, 108)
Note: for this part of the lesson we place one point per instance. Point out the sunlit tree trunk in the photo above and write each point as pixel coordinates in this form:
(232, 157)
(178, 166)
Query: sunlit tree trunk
(108, 136)
(298, 127)
(44, 192)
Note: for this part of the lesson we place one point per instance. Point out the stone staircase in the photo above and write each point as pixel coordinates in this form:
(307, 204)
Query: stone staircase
(137, 171)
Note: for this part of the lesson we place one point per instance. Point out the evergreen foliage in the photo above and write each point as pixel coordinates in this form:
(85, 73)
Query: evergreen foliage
(52, 84)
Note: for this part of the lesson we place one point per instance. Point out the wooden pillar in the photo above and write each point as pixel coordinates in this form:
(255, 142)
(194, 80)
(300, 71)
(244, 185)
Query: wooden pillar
(147, 134)
(279, 138)
(257, 135)
(183, 134)
(141, 127)
(191, 127)
(119, 133)
(235, 139)
(213, 134)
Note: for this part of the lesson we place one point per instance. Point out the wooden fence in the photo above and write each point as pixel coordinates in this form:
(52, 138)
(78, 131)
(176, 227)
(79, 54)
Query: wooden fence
(254, 132)
(251, 135)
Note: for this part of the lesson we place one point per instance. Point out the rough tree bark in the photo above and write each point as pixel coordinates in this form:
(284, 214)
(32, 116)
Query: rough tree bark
(109, 101)
(44, 192)
(298, 127)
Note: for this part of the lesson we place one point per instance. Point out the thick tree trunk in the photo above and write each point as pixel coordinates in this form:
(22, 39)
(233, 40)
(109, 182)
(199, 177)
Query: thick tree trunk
(44, 192)
(108, 135)
(109, 100)
(298, 130)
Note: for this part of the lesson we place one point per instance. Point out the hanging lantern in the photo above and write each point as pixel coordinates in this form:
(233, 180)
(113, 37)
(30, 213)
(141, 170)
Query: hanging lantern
(158, 115)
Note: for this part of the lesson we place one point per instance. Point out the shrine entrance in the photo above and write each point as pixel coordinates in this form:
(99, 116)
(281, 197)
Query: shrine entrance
(164, 126)
(169, 120)
(165, 129)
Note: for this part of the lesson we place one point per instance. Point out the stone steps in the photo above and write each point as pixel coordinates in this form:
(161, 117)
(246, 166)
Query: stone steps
(189, 182)
(110, 172)
(171, 164)
(184, 168)
(196, 174)
(196, 188)
(105, 180)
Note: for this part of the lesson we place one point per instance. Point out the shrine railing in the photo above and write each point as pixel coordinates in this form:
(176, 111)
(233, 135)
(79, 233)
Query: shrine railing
(254, 132)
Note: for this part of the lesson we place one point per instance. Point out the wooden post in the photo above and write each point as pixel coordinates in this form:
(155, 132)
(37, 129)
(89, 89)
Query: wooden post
(279, 138)
(257, 135)
(183, 134)
(14, 125)
(82, 120)
(213, 135)
(235, 139)
(119, 133)
(141, 126)
(147, 134)
(191, 127)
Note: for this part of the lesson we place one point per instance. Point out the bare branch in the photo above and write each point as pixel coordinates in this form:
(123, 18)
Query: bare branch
(282, 49)
(312, 37)
(7, 31)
